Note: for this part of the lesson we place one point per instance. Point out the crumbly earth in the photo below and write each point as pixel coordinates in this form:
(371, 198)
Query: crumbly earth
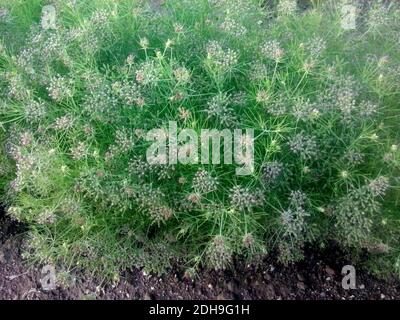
(318, 277)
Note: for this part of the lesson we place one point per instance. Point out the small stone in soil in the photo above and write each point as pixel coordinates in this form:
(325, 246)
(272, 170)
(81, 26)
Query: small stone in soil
(146, 297)
(301, 285)
(300, 277)
(329, 271)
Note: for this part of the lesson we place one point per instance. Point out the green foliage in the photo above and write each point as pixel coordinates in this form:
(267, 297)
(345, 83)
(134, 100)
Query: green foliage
(77, 101)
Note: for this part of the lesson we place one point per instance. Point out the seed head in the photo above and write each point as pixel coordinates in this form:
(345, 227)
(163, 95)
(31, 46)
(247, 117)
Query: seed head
(219, 254)
(204, 182)
(242, 198)
(272, 50)
(379, 186)
(303, 145)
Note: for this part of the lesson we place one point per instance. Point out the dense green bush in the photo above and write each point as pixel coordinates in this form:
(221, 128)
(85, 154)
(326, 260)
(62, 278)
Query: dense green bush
(78, 99)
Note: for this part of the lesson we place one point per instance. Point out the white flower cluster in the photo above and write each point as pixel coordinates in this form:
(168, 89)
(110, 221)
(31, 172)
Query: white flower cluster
(147, 74)
(219, 107)
(219, 253)
(60, 88)
(5, 15)
(231, 26)
(287, 7)
(272, 50)
(204, 182)
(222, 59)
(304, 145)
(243, 198)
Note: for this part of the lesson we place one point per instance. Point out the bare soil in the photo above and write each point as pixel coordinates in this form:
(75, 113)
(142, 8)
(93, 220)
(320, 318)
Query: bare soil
(318, 277)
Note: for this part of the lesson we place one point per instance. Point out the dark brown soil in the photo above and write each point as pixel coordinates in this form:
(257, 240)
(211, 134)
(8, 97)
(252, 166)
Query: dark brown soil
(318, 277)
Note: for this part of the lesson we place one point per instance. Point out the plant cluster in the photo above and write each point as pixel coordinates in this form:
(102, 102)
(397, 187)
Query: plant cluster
(78, 97)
